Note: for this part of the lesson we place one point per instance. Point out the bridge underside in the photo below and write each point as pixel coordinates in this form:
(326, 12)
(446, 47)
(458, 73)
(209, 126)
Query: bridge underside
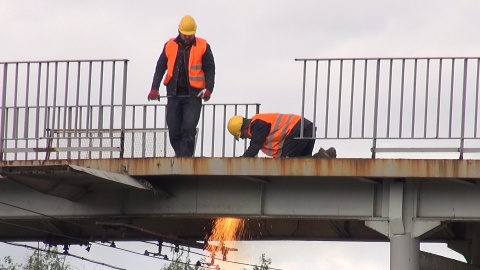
(188, 231)
(187, 228)
(176, 200)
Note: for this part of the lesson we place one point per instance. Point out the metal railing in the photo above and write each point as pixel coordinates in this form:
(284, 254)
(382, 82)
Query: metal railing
(77, 109)
(144, 133)
(399, 104)
(213, 139)
(40, 96)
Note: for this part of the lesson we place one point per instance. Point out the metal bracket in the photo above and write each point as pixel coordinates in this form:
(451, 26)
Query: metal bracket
(420, 227)
(124, 168)
(379, 226)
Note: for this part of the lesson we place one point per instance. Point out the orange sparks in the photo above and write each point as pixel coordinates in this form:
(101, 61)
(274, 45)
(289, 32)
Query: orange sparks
(224, 229)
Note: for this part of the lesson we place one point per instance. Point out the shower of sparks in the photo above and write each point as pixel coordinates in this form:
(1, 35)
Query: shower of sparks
(223, 230)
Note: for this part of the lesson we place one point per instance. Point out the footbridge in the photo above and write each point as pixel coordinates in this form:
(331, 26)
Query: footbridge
(79, 165)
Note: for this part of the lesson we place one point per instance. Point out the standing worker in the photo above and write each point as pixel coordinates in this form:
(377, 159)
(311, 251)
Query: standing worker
(190, 66)
(275, 134)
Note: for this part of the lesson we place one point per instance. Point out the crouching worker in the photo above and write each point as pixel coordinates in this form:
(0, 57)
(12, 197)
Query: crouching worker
(275, 134)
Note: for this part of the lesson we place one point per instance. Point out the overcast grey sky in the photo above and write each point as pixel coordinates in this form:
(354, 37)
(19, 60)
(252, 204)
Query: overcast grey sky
(254, 44)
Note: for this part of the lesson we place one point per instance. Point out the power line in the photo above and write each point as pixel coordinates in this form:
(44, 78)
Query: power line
(217, 258)
(44, 215)
(112, 245)
(64, 254)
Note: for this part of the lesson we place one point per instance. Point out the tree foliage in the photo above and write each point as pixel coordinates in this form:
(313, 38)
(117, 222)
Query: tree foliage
(263, 263)
(8, 264)
(44, 259)
(178, 263)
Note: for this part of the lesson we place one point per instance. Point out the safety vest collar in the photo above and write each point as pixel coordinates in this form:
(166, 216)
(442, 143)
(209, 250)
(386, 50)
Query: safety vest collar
(178, 40)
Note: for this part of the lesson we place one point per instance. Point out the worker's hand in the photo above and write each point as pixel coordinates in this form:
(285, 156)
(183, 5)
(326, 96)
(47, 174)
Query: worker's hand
(205, 94)
(153, 95)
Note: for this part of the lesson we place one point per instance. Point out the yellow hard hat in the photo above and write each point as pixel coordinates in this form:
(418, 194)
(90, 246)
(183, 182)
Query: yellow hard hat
(187, 25)
(234, 126)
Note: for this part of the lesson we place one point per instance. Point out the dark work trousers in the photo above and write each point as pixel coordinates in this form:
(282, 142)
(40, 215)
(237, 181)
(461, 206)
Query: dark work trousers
(182, 119)
(299, 147)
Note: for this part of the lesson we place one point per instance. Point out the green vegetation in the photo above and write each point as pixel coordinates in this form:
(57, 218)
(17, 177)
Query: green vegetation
(44, 259)
(264, 263)
(179, 264)
(51, 259)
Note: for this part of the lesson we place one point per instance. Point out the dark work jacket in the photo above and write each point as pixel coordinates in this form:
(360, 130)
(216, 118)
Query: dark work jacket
(259, 130)
(208, 66)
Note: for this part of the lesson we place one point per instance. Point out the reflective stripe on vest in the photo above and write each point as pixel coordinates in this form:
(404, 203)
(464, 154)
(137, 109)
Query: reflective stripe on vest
(196, 76)
(281, 125)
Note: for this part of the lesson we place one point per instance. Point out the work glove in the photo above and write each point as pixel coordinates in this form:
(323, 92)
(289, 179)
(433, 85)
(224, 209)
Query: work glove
(205, 94)
(153, 95)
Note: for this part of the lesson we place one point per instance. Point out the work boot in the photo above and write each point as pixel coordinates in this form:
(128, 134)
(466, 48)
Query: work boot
(321, 154)
(332, 152)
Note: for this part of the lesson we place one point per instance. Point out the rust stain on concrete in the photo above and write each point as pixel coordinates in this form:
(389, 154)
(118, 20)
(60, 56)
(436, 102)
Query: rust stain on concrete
(273, 167)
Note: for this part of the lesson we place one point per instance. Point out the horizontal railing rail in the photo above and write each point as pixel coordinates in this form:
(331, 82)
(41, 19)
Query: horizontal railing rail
(79, 132)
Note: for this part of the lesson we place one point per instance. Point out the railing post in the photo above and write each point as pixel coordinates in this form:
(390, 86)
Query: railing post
(124, 101)
(339, 108)
(303, 97)
(4, 108)
(375, 119)
(314, 118)
(464, 93)
(213, 130)
(327, 99)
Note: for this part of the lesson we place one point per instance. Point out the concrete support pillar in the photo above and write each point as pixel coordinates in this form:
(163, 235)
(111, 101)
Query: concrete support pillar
(402, 229)
(404, 252)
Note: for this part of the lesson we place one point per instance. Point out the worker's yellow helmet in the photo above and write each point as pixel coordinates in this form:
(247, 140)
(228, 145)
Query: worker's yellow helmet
(234, 126)
(187, 25)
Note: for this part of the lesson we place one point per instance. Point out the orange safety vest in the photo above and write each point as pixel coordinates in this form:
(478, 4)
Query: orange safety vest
(280, 127)
(196, 76)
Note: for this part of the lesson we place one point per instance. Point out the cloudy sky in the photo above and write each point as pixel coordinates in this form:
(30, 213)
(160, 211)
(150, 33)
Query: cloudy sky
(254, 44)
